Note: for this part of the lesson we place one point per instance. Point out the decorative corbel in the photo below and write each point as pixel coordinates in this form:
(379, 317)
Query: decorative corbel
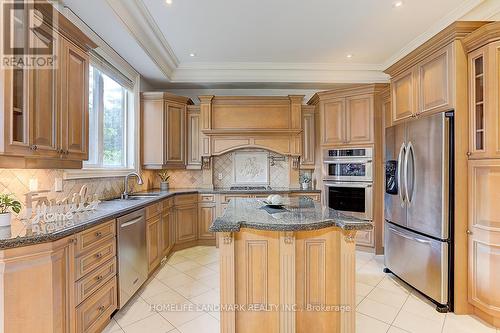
(349, 236)
(289, 237)
(205, 162)
(227, 237)
(295, 162)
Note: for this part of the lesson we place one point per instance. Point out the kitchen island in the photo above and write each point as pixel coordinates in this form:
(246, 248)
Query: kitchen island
(287, 270)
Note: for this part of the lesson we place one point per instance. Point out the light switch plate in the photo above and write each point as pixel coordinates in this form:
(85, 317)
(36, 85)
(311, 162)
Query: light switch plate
(219, 176)
(58, 184)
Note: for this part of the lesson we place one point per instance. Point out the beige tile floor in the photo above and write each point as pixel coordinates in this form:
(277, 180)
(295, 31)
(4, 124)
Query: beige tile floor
(191, 277)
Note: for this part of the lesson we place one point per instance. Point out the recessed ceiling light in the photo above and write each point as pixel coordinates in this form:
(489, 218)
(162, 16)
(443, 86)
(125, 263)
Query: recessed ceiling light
(349, 55)
(169, 2)
(397, 4)
(192, 54)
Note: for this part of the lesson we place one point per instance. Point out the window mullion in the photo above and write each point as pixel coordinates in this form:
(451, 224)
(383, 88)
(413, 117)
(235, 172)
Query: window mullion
(100, 122)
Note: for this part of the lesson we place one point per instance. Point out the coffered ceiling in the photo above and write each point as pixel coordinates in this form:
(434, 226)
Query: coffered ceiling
(273, 42)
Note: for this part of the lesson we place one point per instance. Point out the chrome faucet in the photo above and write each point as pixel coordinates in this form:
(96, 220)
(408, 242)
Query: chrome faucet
(125, 188)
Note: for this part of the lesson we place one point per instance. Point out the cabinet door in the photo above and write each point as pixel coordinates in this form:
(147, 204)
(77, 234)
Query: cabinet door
(365, 238)
(44, 102)
(308, 142)
(386, 108)
(165, 233)
(153, 242)
(360, 119)
(206, 216)
(434, 79)
(402, 95)
(333, 122)
(186, 223)
(478, 76)
(175, 136)
(484, 236)
(493, 134)
(75, 101)
(194, 141)
(153, 154)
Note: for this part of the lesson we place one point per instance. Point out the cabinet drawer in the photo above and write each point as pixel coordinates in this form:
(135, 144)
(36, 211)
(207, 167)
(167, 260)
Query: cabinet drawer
(185, 199)
(88, 262)
(86, 286)
(93, 314)
(153, 210)
(88, 239)
(226, 198)
(312, 196)
(207, 198)
(167, 204)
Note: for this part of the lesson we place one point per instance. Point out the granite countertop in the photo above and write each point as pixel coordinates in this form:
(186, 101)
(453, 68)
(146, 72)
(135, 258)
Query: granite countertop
(299, 214)
(22, 233)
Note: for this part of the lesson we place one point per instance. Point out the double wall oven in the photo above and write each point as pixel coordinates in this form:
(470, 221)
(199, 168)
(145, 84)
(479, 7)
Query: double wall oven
(348, 181)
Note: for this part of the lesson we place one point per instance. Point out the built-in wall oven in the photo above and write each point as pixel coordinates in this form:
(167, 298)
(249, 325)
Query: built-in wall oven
(350, 165)
(348, 181)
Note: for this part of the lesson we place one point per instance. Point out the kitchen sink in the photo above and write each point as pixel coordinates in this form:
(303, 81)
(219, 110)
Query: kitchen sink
(141, 196)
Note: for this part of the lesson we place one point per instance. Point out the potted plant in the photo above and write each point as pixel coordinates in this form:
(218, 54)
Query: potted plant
(8, 203)
(305, 180)
(163, 180)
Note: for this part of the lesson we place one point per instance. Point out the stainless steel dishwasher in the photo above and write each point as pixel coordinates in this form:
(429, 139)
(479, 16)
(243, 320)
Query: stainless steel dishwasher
(132, 254)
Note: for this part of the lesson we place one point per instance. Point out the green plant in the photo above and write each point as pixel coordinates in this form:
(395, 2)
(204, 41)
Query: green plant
(305, 178)
(7, 201)
(163, 174)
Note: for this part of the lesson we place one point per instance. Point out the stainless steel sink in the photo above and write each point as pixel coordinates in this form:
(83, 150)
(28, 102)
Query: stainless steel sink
(141, 196)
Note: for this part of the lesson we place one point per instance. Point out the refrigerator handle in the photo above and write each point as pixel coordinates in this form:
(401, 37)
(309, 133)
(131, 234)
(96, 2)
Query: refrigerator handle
(409, 151)
(402, 154)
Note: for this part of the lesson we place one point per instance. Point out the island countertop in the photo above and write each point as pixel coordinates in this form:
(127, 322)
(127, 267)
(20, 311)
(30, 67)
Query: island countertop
(298, 214)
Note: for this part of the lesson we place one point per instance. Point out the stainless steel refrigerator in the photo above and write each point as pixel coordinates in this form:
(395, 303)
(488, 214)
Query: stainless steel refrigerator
(418, 227)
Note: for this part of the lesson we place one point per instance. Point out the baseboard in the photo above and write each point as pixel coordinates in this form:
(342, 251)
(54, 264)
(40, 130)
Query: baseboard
(492, 320)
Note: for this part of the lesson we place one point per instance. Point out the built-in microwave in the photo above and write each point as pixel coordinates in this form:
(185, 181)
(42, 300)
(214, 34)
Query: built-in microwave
(351, 198)
(350, 164)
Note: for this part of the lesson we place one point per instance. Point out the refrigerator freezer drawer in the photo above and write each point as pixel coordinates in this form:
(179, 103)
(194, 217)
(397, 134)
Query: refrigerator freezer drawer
(418, 260)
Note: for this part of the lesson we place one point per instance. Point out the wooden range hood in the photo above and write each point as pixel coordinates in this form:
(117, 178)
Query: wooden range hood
(236, 122)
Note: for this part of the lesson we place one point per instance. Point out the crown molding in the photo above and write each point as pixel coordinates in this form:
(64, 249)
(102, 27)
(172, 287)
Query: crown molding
(278, 72)
(142, 26)
(455, 15)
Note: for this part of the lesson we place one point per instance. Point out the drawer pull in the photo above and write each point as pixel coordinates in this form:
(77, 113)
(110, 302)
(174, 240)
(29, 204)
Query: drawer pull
(99, 277)
(98, 255)
(98, 234)
(101, 308)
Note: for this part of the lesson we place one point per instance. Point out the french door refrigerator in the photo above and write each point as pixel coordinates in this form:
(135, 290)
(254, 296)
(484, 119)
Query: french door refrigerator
(418, 205)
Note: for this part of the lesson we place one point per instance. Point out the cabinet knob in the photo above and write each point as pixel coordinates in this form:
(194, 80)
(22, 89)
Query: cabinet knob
(98, 234)
(34, 147)
(101, 308)
(469, 232)
(98, 278)
(98, 255)
(469, 153)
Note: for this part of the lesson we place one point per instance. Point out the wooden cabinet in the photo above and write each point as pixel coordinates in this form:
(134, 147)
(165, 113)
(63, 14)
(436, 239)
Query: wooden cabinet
(45, 110)
(186, 218)
(75, 102)
(194, 144)
(359, 119)
(166, 232)
(153, 241)
(206, 216)
(484, 236)
(163, 130)
(484, 112)
(313, 195)
(307, 160)
(347, 115)
(387, 110)
(425, 87)
(332, 120)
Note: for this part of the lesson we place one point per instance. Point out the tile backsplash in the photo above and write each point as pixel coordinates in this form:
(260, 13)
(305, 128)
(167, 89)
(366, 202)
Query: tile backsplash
(278, 170)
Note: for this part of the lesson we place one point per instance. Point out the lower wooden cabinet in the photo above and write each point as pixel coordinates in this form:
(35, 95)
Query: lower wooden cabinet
(206, 215)
(153, 241)
(93, 314)
(186, 223)
(484, 236)
(167, 231)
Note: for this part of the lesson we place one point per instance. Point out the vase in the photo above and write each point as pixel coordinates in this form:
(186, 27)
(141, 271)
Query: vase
(5, 219)
(163, 186)
(305, 186)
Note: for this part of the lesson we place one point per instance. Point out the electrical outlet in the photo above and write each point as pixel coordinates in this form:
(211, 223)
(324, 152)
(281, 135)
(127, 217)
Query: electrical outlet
(58, 185)
(219, 176)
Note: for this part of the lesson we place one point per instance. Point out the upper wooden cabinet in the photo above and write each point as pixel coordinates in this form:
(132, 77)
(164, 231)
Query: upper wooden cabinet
(346, 116)
(163, 130)
(425, 87)
(484, 87)
(194, 137)
(45, 110)
(308, 137)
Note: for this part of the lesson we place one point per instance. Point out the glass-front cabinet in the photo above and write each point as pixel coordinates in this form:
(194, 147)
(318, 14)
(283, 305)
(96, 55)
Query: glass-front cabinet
(484, 113)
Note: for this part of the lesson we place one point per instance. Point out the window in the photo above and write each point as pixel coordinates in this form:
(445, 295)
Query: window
(110, 142)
